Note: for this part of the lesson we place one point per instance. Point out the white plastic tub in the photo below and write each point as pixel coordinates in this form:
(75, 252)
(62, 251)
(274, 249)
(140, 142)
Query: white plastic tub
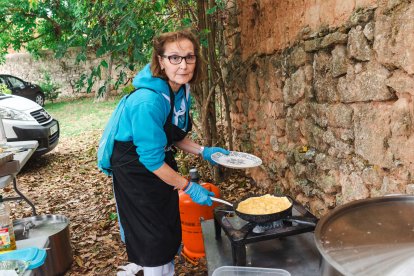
(249, 271)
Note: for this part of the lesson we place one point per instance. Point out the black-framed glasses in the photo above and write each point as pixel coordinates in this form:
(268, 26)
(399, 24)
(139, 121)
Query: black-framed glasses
(176, 59)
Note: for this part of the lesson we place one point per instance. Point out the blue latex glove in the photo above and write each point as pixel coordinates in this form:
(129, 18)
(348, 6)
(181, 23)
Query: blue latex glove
(199, 194)
(208, 151)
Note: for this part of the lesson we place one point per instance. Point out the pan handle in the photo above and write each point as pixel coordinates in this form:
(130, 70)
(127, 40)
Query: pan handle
(221, 201)
(301, 220)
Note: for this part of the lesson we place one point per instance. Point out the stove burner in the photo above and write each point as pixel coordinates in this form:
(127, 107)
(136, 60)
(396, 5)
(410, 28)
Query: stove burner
(241, 232)
(263, 227)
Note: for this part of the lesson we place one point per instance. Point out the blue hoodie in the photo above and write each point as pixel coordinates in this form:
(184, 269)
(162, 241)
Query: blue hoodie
(145, 114)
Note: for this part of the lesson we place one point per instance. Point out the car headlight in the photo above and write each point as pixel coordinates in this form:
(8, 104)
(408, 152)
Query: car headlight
(13, 114)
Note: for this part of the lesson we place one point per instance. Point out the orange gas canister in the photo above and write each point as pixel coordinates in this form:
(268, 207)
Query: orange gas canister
(190, 214)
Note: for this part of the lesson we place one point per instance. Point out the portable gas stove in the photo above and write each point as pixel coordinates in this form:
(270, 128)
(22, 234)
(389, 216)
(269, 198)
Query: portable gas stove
(240, 232)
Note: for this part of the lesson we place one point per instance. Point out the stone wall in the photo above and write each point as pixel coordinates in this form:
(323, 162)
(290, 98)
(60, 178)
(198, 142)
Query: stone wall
(328, 107)
(64, 72)
(269, 25)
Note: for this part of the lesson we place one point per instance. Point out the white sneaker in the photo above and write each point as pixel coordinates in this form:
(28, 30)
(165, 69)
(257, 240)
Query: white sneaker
(129, 270)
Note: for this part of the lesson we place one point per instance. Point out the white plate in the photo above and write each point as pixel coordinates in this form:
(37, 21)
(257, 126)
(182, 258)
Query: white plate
(236, 160)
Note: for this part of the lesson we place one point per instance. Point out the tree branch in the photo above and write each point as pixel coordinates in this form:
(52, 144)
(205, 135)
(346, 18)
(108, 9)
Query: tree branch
(33, 38)
(56, 26)
(210, 94)
(5, 27)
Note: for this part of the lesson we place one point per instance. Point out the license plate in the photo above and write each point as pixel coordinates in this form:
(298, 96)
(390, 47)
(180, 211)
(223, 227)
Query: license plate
(53, 129)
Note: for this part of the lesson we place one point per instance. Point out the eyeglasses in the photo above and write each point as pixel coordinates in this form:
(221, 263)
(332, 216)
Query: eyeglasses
(175, 59)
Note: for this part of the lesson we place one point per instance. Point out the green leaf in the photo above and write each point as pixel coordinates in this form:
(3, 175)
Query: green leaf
(131, 67)
(212, 10)
(89, 88)
(98, 72)
(137, 54)
(205, 32)
(131, 23)
(113, 216)
(104, 64)
(4, 89)
(81, 57)
(221, 4)
(121, 47)
(104, 42)
(100, 52)
(186, 22)
(204, 42)
(101, 90)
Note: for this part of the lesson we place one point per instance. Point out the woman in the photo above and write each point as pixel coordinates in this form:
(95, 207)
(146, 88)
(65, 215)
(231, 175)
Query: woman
(146, 182)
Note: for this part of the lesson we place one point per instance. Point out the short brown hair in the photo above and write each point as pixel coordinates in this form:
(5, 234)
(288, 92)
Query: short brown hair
(158, 44)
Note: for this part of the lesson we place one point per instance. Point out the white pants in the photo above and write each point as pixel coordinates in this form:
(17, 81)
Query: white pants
(163, 270)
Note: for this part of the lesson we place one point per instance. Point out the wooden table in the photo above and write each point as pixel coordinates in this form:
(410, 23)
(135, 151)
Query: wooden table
(27, 148)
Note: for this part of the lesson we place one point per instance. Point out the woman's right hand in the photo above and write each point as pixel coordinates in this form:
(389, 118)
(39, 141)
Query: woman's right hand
(199, 194)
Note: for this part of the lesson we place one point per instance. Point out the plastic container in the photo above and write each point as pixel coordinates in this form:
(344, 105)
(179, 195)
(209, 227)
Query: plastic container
(17, 266)
(7, 238)
(249, 271)
(190, 214)
(34, 257)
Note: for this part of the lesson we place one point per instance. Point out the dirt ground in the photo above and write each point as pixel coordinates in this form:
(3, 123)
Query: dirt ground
(67, 182)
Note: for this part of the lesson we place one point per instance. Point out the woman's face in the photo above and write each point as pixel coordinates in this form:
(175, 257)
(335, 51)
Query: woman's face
(182, 73)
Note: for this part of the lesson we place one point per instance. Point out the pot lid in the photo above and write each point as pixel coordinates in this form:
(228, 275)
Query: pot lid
(369, 237)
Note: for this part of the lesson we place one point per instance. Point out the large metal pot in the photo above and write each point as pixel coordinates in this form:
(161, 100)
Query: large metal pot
(368, 237)
(54, 231)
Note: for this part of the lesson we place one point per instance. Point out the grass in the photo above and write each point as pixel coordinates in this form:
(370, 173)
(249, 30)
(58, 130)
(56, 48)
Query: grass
(78, 116)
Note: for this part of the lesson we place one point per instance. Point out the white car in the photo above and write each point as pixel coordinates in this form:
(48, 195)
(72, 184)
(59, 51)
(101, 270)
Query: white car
(25, 120)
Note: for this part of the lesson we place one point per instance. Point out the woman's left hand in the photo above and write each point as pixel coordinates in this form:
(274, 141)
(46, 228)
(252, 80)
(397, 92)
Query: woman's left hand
(208, 151)
(199, 194)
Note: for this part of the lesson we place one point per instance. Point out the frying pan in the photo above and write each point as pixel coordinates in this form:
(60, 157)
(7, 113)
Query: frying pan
(282, 215)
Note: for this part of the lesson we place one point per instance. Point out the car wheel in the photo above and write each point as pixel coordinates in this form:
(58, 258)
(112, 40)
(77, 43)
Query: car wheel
(40, 99)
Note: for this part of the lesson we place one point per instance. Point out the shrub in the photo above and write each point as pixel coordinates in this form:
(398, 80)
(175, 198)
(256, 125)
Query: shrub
(49, 87)
(4, 89)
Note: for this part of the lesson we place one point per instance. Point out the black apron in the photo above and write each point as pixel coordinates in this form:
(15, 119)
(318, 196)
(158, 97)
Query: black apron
(148, 207)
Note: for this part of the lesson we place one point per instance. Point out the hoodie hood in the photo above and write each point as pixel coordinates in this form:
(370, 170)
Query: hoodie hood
(144, 79)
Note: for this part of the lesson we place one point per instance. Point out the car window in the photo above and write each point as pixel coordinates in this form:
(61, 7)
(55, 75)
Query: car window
(2, 82)
(15, 83)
